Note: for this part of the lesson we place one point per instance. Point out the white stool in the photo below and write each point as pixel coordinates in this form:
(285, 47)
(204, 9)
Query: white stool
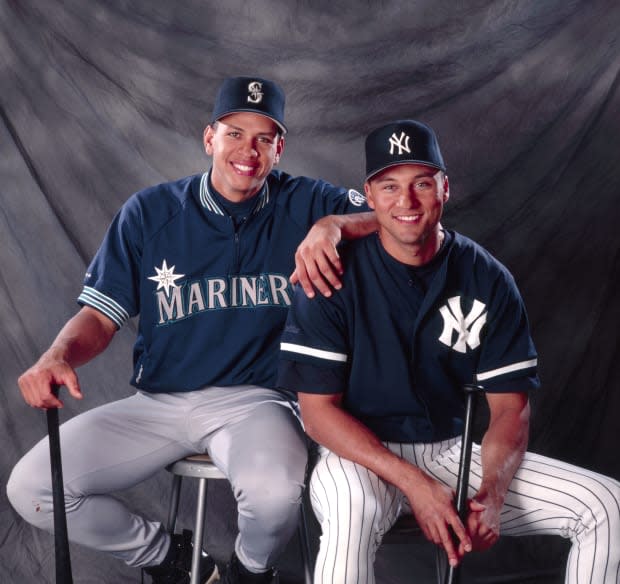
(201, 467)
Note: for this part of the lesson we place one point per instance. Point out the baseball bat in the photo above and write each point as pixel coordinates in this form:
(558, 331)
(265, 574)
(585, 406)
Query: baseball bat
(61, 539)
(454, 572)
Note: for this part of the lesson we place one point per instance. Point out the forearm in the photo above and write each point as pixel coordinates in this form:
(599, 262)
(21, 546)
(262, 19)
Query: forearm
(82, 338)
(347, 437)
(503, 447)
(354, 225)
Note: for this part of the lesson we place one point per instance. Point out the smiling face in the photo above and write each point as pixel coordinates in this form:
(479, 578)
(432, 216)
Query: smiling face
(408, 200)
(244, 146)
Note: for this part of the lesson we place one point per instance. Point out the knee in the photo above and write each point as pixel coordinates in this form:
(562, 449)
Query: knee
(28, 494)
(610, 502)
(601, 506)
(355, 506)
(270, 494)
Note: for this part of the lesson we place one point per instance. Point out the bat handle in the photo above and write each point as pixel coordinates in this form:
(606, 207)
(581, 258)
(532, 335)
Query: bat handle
(61, 538)
(471, 391)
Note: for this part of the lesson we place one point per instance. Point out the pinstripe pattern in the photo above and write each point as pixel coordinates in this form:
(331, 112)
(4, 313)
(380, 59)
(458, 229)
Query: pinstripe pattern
(355, 508)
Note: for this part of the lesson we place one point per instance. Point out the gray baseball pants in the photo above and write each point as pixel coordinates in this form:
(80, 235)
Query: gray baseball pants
(356, 508)
(252, 434)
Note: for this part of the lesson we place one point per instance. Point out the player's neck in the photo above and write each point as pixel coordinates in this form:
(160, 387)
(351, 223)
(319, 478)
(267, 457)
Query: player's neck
(419, 253)
(230, 194)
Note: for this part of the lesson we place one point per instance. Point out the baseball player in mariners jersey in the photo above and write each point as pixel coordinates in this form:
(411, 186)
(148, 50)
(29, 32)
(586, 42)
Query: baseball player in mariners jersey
(205, 262)
(379, 368)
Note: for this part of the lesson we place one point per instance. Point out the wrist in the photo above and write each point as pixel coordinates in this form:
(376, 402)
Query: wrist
(491, 494)
(55, 354)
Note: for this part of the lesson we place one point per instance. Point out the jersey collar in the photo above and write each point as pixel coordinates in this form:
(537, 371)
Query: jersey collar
(210, 204)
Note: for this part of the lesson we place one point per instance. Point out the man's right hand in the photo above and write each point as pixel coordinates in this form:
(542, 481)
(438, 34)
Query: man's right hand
(83, 337)
(36, 383)
(432, 504)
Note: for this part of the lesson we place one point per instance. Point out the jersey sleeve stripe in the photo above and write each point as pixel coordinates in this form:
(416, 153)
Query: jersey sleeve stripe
(302, 350)
(508, 369)
(112, 309)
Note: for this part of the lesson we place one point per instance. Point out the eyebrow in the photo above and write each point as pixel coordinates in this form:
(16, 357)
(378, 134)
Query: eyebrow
(271, 134)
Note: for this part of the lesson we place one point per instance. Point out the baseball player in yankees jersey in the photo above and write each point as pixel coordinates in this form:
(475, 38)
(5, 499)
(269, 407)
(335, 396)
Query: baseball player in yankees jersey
(204, 261)
(378, 369)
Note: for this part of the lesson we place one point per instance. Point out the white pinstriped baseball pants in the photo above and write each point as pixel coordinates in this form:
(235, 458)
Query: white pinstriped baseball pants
(355, 508)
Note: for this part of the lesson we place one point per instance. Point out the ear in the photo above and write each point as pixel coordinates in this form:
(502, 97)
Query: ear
(207, 139)
(279, 149)
(368, 193)
(446, 188)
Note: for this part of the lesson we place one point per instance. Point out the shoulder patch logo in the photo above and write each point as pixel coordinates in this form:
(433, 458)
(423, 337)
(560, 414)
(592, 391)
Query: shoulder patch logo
(165, 277)
(401, 142)
(356, 198)
(468, 328)
(255, 92)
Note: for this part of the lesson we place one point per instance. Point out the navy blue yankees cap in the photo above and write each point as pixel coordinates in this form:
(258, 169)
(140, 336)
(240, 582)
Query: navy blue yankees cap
(250, 94)
(402, 142)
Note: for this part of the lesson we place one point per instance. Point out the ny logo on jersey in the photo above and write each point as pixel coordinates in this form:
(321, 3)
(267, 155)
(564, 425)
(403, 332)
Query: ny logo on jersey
(468, 327)
(255, 92)
(401, 142)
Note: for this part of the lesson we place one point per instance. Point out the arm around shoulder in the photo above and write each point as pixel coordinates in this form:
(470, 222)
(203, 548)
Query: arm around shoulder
(317, 263)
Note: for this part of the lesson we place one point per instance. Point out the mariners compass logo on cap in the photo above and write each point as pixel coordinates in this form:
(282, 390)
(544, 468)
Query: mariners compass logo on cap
(255, 92)
(402, 142)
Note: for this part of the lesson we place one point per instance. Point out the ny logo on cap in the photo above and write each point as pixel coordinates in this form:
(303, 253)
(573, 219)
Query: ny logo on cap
(255, 92)
(401, 142)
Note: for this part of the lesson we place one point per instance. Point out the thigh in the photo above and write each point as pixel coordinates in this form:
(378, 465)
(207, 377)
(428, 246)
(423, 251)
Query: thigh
(113, 446)
(269, 442)
(546, 496)
(348, 496)
(555, 497)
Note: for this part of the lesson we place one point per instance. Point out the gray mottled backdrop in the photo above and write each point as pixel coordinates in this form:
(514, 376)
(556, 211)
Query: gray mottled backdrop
(101, 98)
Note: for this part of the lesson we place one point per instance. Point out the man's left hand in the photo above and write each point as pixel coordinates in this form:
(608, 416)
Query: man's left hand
(483, 523)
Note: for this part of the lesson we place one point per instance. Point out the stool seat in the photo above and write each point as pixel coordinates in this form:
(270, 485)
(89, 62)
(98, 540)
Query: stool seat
(199, 466)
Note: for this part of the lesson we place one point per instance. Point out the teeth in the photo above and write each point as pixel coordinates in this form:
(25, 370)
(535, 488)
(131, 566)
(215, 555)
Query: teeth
(244, 168)
(408, 218)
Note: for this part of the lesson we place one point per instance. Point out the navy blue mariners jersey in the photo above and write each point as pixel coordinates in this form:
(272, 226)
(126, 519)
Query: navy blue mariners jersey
(399, 342)
(211, 293)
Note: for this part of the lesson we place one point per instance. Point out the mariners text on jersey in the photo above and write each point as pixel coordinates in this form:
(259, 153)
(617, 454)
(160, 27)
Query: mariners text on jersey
(224, 292)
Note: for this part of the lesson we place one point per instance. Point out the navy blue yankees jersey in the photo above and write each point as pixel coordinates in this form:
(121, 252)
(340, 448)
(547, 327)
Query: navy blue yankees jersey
(399, 342)
(212, 291)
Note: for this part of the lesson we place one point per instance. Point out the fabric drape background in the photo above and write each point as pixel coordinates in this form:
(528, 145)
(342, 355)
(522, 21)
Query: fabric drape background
(99, 99)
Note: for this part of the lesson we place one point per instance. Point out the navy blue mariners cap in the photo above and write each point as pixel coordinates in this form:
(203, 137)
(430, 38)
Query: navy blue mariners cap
(402, 142)
(250, 94)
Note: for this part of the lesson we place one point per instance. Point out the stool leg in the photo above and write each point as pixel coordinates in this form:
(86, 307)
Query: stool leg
(174, 503)
(304, 542)
(199, 530)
